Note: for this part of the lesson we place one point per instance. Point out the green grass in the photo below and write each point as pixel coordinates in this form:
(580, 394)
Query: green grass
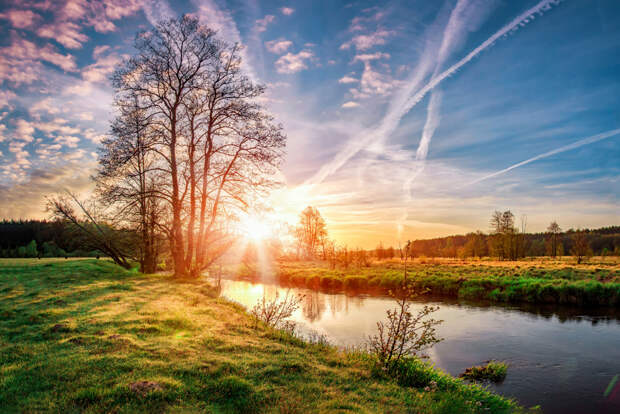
(492, 371)
(86, 336)
(521, 282)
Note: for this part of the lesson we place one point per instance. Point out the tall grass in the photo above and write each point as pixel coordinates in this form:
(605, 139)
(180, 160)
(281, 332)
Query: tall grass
(583, 287)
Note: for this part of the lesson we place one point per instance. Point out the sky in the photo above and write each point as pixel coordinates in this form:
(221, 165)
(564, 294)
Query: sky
(405, 119)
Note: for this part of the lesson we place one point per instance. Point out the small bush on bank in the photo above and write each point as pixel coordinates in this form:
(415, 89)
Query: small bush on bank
(493, 371)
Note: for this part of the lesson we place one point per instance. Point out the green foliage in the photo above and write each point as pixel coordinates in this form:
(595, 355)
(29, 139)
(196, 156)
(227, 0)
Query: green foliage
(413, 372)
(31, 249)
(492, 371)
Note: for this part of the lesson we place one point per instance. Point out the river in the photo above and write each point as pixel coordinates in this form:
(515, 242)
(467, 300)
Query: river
(562, 359)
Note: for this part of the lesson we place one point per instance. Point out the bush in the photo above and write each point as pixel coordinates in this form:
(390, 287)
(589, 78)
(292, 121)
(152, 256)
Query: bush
(493, 371)
(404, 334)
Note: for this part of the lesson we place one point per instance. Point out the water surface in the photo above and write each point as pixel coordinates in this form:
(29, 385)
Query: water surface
(560, 358)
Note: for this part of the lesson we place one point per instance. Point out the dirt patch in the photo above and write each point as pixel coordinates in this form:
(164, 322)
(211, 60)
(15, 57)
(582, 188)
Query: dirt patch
(60, 302)
(144, 387)
(114, 336)
(76, 341)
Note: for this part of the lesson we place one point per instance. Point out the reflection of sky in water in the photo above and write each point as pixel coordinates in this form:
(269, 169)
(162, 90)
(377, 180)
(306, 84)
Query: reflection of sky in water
(564, 366)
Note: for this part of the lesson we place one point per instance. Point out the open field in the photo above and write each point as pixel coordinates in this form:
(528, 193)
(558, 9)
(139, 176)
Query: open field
(536, 281)
(87, 336)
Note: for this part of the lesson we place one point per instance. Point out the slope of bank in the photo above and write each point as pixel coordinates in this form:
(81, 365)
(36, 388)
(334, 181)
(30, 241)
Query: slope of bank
(521, 282)
(87, 336)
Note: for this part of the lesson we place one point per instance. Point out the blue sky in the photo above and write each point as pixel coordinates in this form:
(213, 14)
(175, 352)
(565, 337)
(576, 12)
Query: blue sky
(396, 111)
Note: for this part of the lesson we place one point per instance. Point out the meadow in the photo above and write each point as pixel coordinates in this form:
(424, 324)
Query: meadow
(88, 336)
(550, 281)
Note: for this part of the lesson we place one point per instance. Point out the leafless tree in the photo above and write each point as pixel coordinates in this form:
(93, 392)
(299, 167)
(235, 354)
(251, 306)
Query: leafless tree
(555, 230)
(581, 246)
(310, 230)
(89, 221)
(215, 148)
(127, 179)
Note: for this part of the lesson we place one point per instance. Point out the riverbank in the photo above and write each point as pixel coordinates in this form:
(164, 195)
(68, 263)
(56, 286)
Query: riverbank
(531, 282)
(87, 336)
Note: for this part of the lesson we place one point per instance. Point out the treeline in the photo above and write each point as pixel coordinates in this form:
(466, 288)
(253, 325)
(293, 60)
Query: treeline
(42, 238)
(513, 245)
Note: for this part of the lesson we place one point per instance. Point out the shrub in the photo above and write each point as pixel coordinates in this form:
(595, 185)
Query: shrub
(404, 334)
(355, 282)
(493, 371)
(274, 313)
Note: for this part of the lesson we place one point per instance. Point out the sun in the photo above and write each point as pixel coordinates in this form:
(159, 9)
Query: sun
(255, 228)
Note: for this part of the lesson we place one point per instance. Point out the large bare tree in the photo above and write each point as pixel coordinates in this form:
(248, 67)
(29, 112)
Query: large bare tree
(214, 148)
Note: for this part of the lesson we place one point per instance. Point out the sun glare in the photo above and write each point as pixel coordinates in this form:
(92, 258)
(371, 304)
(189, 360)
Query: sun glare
(255, 228)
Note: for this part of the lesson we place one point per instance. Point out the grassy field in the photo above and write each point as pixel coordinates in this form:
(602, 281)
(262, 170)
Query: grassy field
(87, 336)
(534, 281)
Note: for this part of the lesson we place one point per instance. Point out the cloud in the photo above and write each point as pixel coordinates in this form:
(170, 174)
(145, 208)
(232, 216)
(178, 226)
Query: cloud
(72, 16)
(372, 82)
(83, 88)
(24, 130)
(67, 140)
(20, 19)
(278, 46)
(5, 97)
(366, 41)
(27, 198)
(222, 21)
(21, 63)
(261, 24)
(157, 10)
(57, 125)
(67, 34)
(287, 11)
(101, 69)
(45, 105)
(292, 63)
(350, 104)
(347, 79)
(371, 56)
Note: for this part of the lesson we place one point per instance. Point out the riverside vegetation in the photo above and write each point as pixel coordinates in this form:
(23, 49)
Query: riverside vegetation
(522, 281)
(89, 336)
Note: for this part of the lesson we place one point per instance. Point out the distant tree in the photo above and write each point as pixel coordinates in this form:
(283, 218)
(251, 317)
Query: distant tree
(380, 251)
(310, 231)
(503, 242)
(581, 246)
(31, 249)
(554, 230)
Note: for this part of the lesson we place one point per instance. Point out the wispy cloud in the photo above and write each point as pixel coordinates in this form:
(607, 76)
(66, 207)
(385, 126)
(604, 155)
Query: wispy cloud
(157, 10)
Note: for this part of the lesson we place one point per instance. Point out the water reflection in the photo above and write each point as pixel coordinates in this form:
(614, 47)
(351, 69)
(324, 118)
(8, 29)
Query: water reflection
(562, 358)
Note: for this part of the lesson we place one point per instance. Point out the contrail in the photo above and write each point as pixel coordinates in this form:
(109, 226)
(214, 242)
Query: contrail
(393, 117)
(520, 20)
(576, 144)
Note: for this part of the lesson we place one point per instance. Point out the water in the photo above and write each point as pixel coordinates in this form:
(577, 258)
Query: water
(562, 359)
